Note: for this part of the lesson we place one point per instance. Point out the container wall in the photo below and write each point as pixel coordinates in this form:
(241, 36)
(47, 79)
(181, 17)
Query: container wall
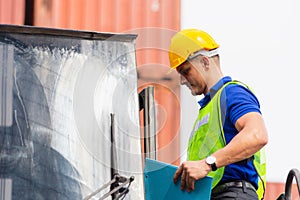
(12, 12)
(64, 90)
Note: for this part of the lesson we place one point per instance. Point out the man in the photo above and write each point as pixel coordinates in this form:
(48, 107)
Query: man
(229, 132)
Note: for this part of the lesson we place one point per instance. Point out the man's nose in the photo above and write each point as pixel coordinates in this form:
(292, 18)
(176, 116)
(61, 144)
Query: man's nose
(183, 80)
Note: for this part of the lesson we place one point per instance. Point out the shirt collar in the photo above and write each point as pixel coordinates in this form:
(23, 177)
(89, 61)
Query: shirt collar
(213, 90)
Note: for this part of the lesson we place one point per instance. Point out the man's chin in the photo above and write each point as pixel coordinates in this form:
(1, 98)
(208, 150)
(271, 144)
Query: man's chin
(193, 93)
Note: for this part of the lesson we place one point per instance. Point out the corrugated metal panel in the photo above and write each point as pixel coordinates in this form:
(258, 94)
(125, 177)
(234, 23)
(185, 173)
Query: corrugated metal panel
(12, 12)
(108, 16)
(154, 24)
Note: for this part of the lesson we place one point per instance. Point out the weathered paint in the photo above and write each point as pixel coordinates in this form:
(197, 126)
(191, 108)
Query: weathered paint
(12, 12)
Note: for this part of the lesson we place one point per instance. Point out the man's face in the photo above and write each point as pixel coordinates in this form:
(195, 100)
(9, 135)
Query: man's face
(191, 76)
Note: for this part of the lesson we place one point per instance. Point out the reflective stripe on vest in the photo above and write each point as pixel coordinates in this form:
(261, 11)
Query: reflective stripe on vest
(208, 136)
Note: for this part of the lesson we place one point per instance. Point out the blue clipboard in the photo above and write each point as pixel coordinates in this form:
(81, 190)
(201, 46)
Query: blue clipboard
(159, 185)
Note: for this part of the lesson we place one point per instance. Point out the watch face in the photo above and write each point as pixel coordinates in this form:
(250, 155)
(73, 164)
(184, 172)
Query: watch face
(210, 160)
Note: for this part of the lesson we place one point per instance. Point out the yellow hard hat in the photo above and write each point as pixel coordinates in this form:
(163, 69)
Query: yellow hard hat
(188, 42)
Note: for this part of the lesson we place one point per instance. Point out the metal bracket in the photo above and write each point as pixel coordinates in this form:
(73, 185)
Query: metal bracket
(119, 190)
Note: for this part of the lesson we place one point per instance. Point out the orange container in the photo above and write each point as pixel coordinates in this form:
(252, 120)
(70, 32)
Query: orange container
(12, 12)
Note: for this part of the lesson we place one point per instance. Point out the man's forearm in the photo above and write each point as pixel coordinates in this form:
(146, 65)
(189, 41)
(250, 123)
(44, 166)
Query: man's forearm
(247, 142)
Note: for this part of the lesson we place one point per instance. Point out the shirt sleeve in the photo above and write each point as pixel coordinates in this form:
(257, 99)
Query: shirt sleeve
(239, 101)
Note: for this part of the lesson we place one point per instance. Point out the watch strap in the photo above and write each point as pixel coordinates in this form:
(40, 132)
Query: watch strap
(213, 167)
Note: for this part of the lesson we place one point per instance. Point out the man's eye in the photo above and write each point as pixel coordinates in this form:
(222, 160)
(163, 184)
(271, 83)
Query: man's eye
(184, 72)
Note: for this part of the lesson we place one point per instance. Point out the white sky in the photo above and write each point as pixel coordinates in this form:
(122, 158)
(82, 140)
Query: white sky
(259, 43)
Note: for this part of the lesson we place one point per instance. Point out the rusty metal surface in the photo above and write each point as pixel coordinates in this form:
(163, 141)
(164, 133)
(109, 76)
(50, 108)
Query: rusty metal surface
(12, 12)
(64, 90)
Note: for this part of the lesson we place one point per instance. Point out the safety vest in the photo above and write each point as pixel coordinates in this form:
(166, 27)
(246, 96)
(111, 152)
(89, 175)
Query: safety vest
(208, 137)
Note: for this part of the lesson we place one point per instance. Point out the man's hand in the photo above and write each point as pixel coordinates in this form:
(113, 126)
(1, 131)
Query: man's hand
(191, 171)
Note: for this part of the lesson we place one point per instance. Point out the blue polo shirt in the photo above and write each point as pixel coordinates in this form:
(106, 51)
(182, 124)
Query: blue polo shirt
(236, 101)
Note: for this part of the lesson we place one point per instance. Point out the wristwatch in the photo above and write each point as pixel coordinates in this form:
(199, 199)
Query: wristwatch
(211, 160)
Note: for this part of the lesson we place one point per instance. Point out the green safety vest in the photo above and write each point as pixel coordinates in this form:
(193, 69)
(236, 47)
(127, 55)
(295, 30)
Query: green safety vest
(208, 137)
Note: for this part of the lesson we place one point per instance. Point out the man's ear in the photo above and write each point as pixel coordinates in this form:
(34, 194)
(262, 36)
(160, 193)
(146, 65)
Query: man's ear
(206, 62)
